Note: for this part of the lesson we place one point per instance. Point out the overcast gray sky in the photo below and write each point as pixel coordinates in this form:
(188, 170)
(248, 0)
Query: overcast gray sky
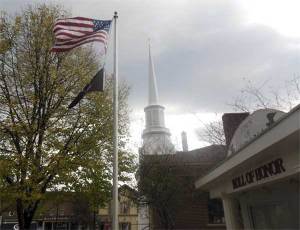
(204, 50)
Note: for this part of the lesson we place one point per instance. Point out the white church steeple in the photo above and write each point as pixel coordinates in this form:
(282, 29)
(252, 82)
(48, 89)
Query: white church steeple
(153, 92)
(156, 137)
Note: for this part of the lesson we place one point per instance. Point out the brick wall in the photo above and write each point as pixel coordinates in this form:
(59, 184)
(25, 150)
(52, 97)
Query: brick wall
(192, 212)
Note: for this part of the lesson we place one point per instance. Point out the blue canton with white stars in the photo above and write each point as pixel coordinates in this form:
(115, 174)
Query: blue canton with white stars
(101, 25)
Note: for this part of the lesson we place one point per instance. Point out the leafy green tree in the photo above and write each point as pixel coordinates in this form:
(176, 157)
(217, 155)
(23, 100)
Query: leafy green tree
(162, 185)
(44, 145)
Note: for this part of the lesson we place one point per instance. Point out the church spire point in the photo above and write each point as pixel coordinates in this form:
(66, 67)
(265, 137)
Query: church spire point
(153, 91)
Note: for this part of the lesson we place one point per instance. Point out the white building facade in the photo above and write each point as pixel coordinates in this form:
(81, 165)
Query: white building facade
(258, 182)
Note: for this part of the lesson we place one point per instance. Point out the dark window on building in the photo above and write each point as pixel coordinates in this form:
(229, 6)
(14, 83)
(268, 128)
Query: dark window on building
(105, 226)
(215, 212)
(125, 226)
(48, 226)
(125, 207)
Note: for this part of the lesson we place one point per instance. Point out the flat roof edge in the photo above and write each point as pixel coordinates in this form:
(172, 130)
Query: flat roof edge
(219, 169)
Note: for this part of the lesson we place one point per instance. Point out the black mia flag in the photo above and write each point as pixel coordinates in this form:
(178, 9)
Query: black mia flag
(96, 84)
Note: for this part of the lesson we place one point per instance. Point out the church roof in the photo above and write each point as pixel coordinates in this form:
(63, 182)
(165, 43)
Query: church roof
(208, 154)
(192, 163)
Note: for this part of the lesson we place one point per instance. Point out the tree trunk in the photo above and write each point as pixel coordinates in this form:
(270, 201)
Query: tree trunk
(20, 214)
(25, 214)
(94, 222)
(28, 219)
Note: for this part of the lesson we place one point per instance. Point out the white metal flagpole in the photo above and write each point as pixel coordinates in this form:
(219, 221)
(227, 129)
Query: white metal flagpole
(115, 221)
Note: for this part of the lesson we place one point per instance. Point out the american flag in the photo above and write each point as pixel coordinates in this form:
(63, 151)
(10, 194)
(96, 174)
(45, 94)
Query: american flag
(73, 32)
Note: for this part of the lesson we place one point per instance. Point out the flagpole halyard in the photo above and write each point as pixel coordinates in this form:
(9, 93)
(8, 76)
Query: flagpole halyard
(115, 224)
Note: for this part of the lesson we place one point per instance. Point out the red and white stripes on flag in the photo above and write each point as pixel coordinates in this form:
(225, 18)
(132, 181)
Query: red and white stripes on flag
(73, 32)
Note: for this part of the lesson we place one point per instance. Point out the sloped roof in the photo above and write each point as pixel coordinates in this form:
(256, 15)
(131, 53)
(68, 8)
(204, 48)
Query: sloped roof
(208, 154)
(192, 163)
(128, 191)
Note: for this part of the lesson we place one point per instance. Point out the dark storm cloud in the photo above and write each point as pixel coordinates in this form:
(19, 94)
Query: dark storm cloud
(207, 58)
(202, 49)
(209, 73)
